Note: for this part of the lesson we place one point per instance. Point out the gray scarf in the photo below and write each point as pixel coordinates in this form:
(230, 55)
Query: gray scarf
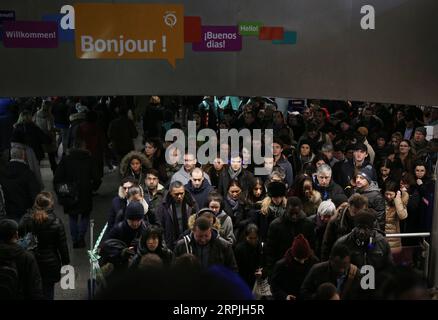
(233, 174)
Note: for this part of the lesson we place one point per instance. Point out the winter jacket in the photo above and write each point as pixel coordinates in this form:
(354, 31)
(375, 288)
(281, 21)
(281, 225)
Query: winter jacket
(339, 225)
(226, 231)
(282, 232)
(184, 177)
(376, 202)
(165, 217)
(245, 177)
(78, 167)
(164, 253)
(332, 190)
(44, 120)
(393, 216)
(323, 272)
(148, 217)
(154, 201)
(249, 259)
(346, 172)
(20, 187)
(32, 136)
(30, 285)
(239, 216)
(287, 167)
(122, 231)
(377, 253)
(118, 203)
(218, 250)
(263, 221)
(52, 252)
(200, 194)
(298, 163)
(126, 171)
(287, 279)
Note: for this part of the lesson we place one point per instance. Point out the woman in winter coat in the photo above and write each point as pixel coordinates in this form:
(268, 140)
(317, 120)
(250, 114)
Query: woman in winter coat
(234, 206)
(215, 204)
(153, 151)
(396, 202)
(52, 250)
(273, 206)
(310, 198)
(151, 241)
(426, 189)
(135, 164)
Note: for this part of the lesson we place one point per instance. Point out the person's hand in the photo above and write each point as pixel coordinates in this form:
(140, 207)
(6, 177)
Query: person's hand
(128, 252)
(398, 195)
(419, 182)
(291, 297)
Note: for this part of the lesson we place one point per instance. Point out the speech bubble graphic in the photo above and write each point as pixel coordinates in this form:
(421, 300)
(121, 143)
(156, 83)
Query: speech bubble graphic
(129, 31)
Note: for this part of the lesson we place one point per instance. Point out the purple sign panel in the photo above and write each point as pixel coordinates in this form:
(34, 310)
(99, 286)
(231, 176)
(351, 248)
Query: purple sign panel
(218, 38)
(30, 34)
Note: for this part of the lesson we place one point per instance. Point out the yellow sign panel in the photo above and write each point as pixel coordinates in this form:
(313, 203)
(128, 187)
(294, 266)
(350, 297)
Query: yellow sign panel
(129, 31)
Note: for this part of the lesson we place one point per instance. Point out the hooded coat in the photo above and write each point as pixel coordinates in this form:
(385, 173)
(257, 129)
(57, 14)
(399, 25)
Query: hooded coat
(52, 252)
(217, 251)
(126, 171)
(282, 232)
(310, 206)
(376, 202)
(164, 253)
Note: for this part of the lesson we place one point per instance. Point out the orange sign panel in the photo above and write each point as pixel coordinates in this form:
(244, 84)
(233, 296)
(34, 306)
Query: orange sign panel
(129, 31)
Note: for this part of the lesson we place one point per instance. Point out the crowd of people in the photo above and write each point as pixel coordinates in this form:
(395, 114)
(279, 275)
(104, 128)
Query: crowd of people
(341, 177)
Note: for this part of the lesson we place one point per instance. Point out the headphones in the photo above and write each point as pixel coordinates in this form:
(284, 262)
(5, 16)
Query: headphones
(204, 211)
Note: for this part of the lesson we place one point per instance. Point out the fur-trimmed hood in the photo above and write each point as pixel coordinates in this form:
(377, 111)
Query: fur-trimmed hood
(192, 218)
(315, 198)
(124, 164)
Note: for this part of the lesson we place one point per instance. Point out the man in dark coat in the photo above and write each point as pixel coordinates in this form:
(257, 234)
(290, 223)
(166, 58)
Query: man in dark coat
(367, 246)
(339, 271)
(130, 230)
(284, 229)
(235, 171)
(77, 168)
(20, 186)
(15, 257)
(347, 170)
(154, 192)
(207, 246)
(174, 212)
(325, 184)
(368, 188)
(199, 187)
(342, 222)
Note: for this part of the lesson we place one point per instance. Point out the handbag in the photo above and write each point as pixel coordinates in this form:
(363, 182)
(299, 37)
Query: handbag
(68, 193)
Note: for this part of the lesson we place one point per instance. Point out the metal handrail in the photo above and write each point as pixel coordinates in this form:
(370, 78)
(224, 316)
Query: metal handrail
(408, 235)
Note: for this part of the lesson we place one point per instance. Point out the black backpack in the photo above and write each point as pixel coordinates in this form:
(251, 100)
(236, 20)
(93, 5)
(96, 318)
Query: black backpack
(9, 283)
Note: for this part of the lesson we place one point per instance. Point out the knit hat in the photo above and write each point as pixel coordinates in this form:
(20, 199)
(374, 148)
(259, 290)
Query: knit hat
(365, 217)
(134, 211)
(421, 130)
(8, 228)
(367, 173)
(362, 131)
(276, 189)
(301, 247)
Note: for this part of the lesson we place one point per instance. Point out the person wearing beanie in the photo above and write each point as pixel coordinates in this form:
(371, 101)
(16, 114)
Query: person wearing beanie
(346, 171)
(283, 230)
(367, 245)
(130, 230)
(301, 156)
(419, 142)
(14, 256)
(272, 207)
(368, 188)
(289, 272)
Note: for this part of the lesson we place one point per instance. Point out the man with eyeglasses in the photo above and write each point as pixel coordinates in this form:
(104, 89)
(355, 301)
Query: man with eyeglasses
(174, 212)
(199, 187)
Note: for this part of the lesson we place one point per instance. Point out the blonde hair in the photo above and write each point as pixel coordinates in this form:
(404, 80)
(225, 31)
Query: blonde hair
(43, 203)
(266, 202)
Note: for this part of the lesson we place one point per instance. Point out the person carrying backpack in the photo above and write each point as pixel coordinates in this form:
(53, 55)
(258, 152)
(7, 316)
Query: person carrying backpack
(20, 277)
